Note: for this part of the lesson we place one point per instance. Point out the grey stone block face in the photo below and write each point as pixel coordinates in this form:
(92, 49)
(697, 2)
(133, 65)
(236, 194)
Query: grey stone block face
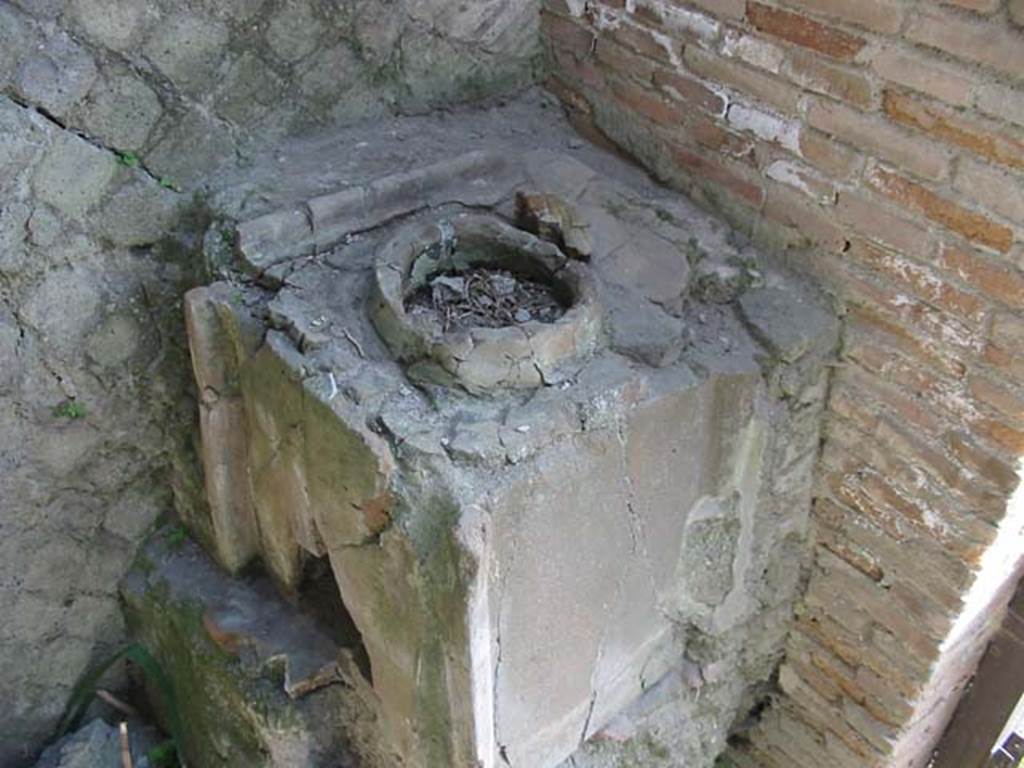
(139, 213)
(121, 111)
(527, 559)
(188, 147)
(16, 38)
(187, 50)
(294, 30)
(74, 175)
(115, 24)
(56, 76)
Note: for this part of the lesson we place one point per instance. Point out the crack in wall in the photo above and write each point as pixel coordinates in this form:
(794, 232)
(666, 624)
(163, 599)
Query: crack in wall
(121, 157)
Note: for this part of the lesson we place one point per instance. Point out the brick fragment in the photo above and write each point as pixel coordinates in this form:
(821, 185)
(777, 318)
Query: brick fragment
(718, 171)
(924, 74)
(990, 43)
(974, 226)
(998, 191)
(880, 138)
(990, 276)
(746, 80)
(987, 140)
(821, 76)
(877, 15)
(805, 32)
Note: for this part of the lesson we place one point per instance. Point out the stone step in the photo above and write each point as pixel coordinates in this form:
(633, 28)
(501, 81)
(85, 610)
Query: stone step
(259, 681)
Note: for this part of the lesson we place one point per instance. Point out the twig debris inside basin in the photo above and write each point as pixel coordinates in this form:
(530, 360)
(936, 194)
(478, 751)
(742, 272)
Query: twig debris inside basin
(484, 298)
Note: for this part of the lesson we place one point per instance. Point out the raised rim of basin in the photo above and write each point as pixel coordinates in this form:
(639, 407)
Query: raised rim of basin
(524, 355)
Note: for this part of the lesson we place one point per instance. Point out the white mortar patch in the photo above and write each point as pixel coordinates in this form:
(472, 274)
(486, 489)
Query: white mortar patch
(766, 125)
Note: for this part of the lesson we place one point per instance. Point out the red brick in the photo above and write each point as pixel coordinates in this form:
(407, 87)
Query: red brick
(862, 319)
(710, 134)
(993, 44)
(1008, 360)
(968, 452)
(791, 209)
(924, 282)
(987, 140)
(996, 190)
(869, 219)
(623, 62)
(978, 6)
(647, 103)
(691, 91)
(924, 74)
(581, 71)
(571, 98)
(1006, 437)
(819, 75)
(988, 275)
(974, 226)
(876, 136)
(719, 172)
(1002, 102)
(876, 15)
(827, 156)
(944, 331)
(805, 32)
(732, 9)
(996, 396)
(752, 82)
(642, 41)
(566, 33)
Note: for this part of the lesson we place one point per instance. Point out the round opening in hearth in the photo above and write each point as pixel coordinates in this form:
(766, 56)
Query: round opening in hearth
(486, 297)
(478, 302)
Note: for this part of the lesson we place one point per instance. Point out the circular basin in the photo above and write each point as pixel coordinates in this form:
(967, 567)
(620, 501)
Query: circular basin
(527, 352)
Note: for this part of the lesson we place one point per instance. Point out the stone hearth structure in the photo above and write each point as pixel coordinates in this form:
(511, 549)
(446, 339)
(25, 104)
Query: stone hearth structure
(545, 532)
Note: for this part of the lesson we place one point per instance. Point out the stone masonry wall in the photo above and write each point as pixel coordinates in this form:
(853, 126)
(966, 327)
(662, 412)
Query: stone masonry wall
(114, 117)
(879, 144)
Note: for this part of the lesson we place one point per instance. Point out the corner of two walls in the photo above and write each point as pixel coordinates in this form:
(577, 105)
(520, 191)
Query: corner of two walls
(878, 145)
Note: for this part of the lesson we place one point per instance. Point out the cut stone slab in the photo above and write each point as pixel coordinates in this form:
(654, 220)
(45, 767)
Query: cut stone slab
(260, 682)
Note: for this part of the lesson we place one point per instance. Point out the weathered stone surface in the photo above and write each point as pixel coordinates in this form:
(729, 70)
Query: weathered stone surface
(115, 24)
(16, 38)
(57, 75)
(121, 111)
(97, 744)
(267, 685)
(187, 49)
(293, 30)
(139, 213)
(74, 175)
(189, 147)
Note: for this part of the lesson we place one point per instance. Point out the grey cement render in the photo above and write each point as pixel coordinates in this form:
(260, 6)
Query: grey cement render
(598, 570)
(120, 122)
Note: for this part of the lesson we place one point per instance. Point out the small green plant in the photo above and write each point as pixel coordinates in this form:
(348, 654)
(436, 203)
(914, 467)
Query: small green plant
(177, 536)
(69, 409)
(169, 184)
(163, 755)
(85, 690)
(128, 159)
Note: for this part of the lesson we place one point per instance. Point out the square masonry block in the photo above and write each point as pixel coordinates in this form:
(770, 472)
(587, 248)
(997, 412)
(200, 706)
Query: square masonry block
(542, 520)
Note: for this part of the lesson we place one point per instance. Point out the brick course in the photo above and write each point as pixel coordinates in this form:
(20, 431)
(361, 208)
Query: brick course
(880, 142)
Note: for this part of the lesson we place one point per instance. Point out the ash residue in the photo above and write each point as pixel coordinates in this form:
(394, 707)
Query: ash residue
(484, 298)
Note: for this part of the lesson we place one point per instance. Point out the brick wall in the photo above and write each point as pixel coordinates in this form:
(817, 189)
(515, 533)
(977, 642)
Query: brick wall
(879, 145)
